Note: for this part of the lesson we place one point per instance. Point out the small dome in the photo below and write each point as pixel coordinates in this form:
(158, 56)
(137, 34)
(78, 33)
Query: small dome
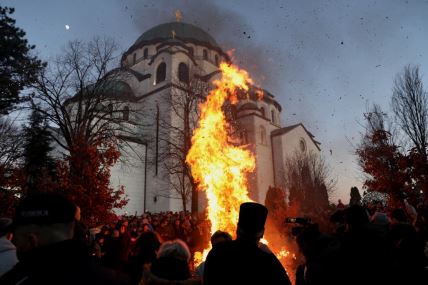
(114, 89)
(118, 89)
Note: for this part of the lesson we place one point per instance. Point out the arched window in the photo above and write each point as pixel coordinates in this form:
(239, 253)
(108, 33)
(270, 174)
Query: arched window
(134, 58)
(183, 73)
(302, 145)
(244, 137)
(216, 60)
(205, 52)
(262, 110)
(146, 53)
(161, 72)
(125, 113)
(273, 116)
(262, 135)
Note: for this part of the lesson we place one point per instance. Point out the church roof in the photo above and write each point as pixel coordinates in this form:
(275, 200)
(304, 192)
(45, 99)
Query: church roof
(175, 32)
(285, 130)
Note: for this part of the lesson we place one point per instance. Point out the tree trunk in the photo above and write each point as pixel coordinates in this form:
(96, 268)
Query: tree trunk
(195, 199)
(195, 196)
(184, 201)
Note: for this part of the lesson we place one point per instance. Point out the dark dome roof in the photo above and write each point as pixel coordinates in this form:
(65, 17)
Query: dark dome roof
(114, 89)
(183, 31)
(117, 89)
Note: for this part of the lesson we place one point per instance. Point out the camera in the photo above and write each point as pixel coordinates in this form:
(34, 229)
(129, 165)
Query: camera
(298, 220)
(301, 222)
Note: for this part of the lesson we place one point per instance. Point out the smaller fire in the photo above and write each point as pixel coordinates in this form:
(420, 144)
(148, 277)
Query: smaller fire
(283, 253)
(199, 257)
(280, 254)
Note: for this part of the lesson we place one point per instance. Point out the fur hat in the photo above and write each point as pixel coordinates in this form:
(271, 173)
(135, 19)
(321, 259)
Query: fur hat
(252, 217)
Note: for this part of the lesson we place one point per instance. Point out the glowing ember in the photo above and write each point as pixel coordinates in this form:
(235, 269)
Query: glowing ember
(282, 253)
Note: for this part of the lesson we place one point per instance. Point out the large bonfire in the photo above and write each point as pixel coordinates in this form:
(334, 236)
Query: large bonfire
(220, 167)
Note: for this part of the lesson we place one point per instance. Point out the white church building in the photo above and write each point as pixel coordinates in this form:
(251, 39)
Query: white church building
(150, 74)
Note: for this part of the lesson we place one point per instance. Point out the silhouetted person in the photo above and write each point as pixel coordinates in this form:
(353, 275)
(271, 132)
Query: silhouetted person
(242, 261)
(165, 230)
(80, 230)
(147, 247)
(322, 258)
(44, 225)
(171, 266)
(368, 253)
(216, 239)
(411, 260)
(379, 217)
(340, 205)
(116, 251)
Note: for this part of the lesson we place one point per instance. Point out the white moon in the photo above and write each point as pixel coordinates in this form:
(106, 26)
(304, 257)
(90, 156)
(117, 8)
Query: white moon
(67, 27)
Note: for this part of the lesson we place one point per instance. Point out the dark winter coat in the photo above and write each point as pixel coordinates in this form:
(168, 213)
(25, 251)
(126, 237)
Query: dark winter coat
(65, 262)
(242, 262)
(150, 278)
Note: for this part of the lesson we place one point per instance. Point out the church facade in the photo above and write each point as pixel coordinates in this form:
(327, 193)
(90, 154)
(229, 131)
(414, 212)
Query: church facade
(151, 77)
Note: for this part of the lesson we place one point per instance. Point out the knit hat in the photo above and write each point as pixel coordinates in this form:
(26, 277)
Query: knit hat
(5, 226)
(46, 208)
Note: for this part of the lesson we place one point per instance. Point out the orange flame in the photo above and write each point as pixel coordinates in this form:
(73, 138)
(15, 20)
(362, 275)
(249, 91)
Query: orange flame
(218, 166)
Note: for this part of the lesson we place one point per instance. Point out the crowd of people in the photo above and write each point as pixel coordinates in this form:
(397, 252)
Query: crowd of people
(358, 244)
(132, 241)
(366, 244)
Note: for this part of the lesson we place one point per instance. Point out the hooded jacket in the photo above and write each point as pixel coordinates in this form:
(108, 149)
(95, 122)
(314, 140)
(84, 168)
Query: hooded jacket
(8, 257)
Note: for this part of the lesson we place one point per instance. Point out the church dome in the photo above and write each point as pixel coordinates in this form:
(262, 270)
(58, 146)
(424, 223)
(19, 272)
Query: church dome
(183, 31)
(179, 31)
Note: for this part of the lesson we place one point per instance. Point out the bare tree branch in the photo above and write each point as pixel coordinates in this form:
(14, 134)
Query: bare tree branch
(10, 143)
(77, 94)
(410, 106)
(309, 180)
